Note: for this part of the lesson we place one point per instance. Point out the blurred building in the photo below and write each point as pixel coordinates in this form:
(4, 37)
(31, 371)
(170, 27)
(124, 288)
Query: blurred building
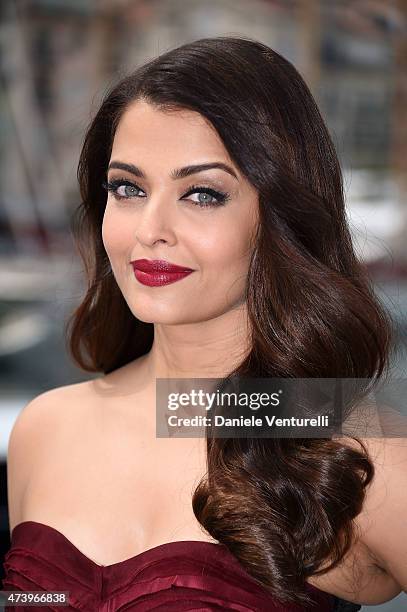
(60, 56)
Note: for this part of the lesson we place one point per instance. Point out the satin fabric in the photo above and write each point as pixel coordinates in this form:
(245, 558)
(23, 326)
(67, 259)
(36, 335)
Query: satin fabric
(171, 577)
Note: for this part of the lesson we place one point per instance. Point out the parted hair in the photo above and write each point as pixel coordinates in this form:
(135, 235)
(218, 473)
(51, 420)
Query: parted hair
(284, 507)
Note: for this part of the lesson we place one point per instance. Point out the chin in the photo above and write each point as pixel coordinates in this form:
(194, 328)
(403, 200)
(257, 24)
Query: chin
(158, 316)
(168, 317)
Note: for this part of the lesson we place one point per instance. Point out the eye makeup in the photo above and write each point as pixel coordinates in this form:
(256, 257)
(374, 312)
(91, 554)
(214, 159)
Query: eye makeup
(220, 197)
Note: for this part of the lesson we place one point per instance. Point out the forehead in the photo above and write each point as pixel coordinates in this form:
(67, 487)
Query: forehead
(146, 130)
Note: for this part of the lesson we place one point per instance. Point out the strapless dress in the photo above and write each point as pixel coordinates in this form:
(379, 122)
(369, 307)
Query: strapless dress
(171, 577)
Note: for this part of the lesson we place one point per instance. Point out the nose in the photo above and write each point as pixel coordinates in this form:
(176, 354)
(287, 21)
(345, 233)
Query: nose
(155, 221)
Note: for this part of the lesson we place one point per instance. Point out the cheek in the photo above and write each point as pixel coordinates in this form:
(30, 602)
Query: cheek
(116, 234)
(225, 245)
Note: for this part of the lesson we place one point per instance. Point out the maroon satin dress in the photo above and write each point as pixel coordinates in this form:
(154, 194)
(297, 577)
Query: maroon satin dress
(171, 577)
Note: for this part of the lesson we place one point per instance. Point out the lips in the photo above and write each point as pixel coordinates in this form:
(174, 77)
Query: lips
(157, 265)
(158, 272)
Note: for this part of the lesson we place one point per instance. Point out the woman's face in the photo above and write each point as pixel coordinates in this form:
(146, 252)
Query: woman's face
(160, 217)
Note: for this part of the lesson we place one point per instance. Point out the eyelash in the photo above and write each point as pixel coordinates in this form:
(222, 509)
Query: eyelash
(221, 197)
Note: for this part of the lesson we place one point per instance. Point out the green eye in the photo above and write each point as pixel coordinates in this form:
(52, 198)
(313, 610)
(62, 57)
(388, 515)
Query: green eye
(129, 189)
(219, 196)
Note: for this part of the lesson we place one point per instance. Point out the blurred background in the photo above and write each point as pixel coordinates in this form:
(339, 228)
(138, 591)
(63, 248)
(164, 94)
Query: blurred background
(57, 59)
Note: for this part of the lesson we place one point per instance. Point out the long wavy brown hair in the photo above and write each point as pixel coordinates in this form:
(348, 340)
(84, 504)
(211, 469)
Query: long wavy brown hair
(274, 502)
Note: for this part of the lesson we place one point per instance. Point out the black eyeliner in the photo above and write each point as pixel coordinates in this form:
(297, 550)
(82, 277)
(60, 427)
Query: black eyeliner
(112, 186)
(221, 197)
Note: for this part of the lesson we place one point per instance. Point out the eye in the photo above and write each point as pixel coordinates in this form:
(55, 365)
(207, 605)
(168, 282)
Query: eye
(122, 189)
(218, 197)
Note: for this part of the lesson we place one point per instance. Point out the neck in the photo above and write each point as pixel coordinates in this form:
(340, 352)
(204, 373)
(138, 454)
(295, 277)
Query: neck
(207, 349)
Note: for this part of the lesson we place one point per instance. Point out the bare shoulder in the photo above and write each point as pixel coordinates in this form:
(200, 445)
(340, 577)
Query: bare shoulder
(386, 495)
(382, 522)
(43, 418)
(375, 569)
(44, 411)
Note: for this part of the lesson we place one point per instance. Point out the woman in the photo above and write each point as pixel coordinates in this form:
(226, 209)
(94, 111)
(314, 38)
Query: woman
(217, 162)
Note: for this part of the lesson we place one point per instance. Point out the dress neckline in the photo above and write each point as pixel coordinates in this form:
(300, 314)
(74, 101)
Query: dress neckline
(141, 556)
(50, 544)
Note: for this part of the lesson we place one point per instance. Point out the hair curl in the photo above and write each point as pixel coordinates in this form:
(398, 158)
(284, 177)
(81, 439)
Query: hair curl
(275, 503)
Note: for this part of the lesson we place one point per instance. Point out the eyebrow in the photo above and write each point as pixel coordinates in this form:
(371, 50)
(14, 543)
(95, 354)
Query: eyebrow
(178, 173)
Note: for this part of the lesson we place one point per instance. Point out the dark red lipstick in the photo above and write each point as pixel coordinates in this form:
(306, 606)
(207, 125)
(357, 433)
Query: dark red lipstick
(157, 272)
